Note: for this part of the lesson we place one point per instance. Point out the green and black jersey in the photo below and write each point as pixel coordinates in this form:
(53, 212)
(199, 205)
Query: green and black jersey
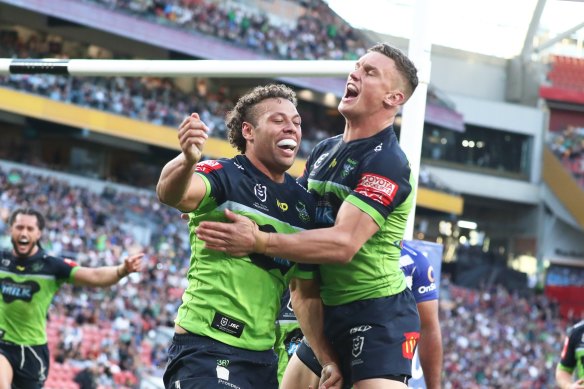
(27, 287)
(236, 300)
(572, 359)
(374, 175)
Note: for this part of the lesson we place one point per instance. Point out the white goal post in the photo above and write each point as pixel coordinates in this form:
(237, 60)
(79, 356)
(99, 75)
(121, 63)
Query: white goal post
(177, 68)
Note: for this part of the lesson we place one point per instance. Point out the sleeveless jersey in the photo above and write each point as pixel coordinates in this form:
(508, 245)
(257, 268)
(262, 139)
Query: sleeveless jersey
(27, 287)
(236, 300)
(374, 175)
(572, 358)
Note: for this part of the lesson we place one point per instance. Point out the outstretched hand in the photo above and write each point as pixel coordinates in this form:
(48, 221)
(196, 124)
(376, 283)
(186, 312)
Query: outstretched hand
(133, 263)
(238, 238)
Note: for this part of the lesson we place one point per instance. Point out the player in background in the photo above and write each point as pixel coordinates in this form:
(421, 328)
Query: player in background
(570, 369)
(29, 278)
(304, 370)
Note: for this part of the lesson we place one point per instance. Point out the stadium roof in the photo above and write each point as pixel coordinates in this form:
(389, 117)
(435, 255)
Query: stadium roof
(493, 27)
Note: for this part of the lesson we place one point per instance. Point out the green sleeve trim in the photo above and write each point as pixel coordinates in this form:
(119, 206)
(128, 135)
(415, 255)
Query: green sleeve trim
(363, 206)
(207, 187)
(72, 274)
(565, 368)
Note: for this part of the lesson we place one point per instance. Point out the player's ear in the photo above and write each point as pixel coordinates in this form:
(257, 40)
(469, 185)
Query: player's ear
(247, 130)
(394, 98)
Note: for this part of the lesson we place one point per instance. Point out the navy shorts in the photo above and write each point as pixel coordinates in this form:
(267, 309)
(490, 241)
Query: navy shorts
(198, 362)
(375, 338)
(30, 364)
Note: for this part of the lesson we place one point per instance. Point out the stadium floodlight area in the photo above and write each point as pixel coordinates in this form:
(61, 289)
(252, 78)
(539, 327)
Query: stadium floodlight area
(177, 68)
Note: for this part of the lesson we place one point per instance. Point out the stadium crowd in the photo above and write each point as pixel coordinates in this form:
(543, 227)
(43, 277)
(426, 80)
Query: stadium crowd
(493, 338)
(154, 100)
(568, 145)
(316, 34)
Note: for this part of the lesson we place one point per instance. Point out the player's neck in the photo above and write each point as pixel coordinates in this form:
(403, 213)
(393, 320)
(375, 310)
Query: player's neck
(364, 128)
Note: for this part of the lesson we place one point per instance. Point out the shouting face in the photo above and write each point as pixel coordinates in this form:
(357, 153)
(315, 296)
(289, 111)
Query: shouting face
(25, 234)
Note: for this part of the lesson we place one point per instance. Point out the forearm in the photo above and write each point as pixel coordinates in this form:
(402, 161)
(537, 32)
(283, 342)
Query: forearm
(174, 180)
(100, 277)
(308, 309)
(430, 354)
(564, 379)
(320, 246)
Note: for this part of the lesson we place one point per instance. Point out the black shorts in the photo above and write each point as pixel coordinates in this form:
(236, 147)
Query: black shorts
(30, 364)
(375, 338)
(198, 362)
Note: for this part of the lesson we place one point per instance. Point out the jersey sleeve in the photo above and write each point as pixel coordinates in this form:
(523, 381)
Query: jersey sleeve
(64, 269)
(568, 356)
(383, 184)
(213, 174)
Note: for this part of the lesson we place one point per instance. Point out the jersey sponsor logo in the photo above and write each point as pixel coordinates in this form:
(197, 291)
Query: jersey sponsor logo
(283, 206)
(425, 289)
(70, 262)
(358, 343)
(20, 268)
(409, 345)
(362, 328)
(261, 192)
(5, 262)
(431, 273)
(12, 291)
(208, 166)
(377, 188)
(222, 373)
(333, 163)
(228, 325)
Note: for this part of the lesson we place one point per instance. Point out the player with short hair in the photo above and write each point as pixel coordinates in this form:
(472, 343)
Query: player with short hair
(304, 370)
(29, 278)
(364, 189)
(572, 359)
(225, 326)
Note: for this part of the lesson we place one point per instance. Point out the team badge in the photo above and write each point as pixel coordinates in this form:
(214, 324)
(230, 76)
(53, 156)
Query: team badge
(358, 342)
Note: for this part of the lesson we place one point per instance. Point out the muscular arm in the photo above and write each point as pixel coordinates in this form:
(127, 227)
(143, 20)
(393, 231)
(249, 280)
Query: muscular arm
(430, 346)
(336, 244)
(308, 309)
(107, 275)
(178, 186)
(564, 380)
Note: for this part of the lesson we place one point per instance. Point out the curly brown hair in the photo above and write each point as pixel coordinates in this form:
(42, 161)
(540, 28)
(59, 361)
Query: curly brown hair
(244, 110)
(404, 65)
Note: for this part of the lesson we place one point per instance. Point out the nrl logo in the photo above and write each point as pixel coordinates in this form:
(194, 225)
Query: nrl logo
(358, 342)
(261, 192)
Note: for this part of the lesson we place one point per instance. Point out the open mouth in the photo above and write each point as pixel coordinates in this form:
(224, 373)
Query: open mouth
(287, 145)
(351, 91)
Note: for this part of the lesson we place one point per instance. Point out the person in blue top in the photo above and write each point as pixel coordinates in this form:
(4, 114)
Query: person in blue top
(304, 370)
